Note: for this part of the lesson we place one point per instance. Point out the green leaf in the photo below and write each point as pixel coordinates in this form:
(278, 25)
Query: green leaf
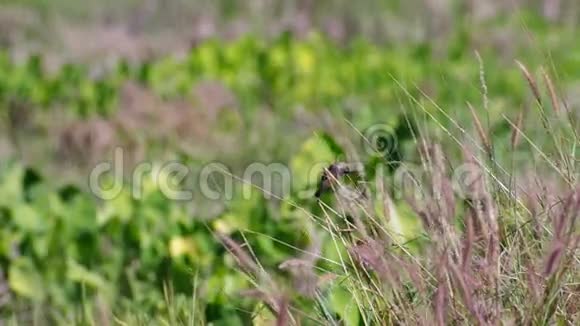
(263, 315)
(25, 280)
(316, 153)
(121, 207)
(11, 190)
(344, 304)
(78, 273)
(402, 223)
(28, 218)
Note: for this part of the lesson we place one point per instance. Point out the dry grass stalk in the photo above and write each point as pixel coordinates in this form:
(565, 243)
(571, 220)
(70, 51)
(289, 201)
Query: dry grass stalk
(531, 82)
(569, 215)
(481, 207)
(483, 135)
(443, 193)
(441, 297)
(482, 82)
(552, 92)
(553, 260)
(283, 315)
(304, 280)
(469, 241)
(370, 254)
(517, 130)
(534, 282)
(438, 208)
(244, 260)
(466, 291)
(564, 227)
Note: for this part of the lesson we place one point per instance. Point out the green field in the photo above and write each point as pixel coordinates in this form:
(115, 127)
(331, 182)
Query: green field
(178, 187)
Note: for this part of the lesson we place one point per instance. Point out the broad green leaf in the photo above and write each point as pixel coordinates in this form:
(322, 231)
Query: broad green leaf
(27, 218)
(263, 316)
(25, 280)
(120, 207)
(315, 155)
(11, 190)
(343, 303)
(402, 224)
(79, 273)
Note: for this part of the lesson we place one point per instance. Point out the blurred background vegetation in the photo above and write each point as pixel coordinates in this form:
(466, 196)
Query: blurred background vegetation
(234, 82)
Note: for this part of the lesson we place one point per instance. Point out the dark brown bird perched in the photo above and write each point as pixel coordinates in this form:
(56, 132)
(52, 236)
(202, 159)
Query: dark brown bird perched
(332, 174)
(351, 194)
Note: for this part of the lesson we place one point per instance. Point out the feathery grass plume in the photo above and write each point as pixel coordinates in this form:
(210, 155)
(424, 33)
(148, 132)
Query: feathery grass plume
(492, 255)
(483, 135)
(482, 221)
(304, 279)
(482, 82)
(553, 258)
(517, 130)
(387, 204)
(244, 260)
(466, 290)
(279, 304)
(254, 293)
(270, 295)
(534, 281)
(564, 222)
(441, 296)
(555, 134)
(418, 206)
(477, 198)
(283, 315)
(558, 265)
(440, 303)
(438, 208)
(551, 91)
(370, 254)
(325, 279)
(415, 275)
(468, 243)
(531, 82)
(442, 190)
(568, 215)
(423, 214)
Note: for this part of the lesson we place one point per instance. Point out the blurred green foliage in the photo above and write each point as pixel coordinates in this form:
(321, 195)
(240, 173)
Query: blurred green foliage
(285, 72)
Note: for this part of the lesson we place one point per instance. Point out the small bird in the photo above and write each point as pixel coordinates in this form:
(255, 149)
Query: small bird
(352, 194)
(331, 175)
